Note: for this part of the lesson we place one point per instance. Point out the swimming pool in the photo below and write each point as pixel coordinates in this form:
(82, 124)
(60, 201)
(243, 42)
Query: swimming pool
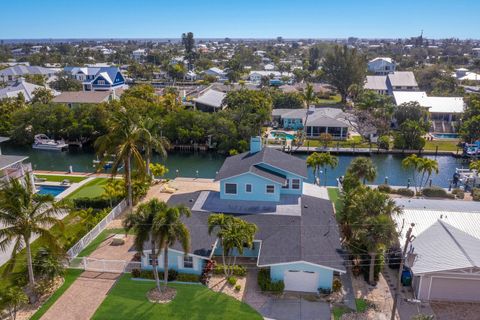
(446, 135)
(53, 190)
(281, 134)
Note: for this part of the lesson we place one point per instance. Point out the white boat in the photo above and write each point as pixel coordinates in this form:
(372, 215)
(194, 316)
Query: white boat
(42, 142)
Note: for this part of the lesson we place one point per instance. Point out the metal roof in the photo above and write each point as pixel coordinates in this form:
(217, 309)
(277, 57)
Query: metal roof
(434, 104)
(8, 161)
(211, 98)
(376, 83)
(402, 79)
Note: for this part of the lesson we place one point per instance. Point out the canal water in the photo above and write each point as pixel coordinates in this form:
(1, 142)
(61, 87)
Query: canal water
(206, 164)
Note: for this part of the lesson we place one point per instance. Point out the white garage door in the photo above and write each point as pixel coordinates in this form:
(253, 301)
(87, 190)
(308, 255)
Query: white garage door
(297, 280)
(455, 289)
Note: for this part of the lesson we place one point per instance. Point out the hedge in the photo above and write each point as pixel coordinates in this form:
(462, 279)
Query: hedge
(186, 277)
(436, 192)
(476, 194)
(405, 192)
(239, 271)
(459, 193)
(266, 284)
(95, 203)
(148, 274)
(385, 188)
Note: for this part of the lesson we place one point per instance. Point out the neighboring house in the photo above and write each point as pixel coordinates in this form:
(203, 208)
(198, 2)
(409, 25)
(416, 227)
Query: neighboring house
(257, 75)
(320, 120)
(381, 66)
(463, 74)
(74, 98)
(444, 112)
(476, 52)
(444, 257)
(209, 100)
(13, 167)
(20, 86)
(217, 73)
(191, 75)
(139, 54)
(97, 78)
(269, 67)
(297, 239)
(397, 81)
(20, 71)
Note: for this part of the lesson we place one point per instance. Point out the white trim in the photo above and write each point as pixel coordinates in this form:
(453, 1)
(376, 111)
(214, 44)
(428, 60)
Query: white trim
(429, 288)
(419, 287)
(180, 262)
(251, 188)
(295, 174)
(179, 251)
(299, 184)
(213, 248)
(299, 261)
(249, 172)
(266, 189)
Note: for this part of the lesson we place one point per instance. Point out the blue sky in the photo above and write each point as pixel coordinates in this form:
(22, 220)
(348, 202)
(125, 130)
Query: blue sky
(239, 18)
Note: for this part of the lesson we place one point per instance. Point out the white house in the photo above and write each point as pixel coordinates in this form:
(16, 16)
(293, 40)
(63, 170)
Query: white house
(257, 75)
(19, 71)
(444, 257)
(20, 86)
(396, 81)
(463, 74)
(216, 72)
(269, 67)
(139, 54)
(381, 66)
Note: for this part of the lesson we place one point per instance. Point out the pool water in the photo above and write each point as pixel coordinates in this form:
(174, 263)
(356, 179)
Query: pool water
(281, 134)
(52, 190)
(446, 135)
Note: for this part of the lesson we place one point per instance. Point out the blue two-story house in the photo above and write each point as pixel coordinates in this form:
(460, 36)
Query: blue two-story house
(97, 78)
(297, 239)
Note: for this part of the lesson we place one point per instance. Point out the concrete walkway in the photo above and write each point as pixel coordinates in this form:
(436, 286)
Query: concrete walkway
(83, 297)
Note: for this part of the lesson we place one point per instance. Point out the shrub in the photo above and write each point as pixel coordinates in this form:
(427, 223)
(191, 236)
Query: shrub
(383, 142)
(148, 274)
(459, 193)
(185, 277)
(239, 271)
(232, 281)
(337, 285)
(405, 192)
(95, 203)
(47, 264)
(136, 273)
(385, 188)
(476, 194)
(238, 287)
(265, 282)
(436, 192)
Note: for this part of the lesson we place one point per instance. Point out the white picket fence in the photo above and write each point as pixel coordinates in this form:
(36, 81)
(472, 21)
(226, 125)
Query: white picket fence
(92, 234)
(103, 265)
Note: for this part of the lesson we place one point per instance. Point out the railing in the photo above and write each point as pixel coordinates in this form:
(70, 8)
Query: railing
(92, 234)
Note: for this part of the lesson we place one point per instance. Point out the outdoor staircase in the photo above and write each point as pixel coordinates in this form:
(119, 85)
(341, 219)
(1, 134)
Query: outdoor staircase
(442, 127)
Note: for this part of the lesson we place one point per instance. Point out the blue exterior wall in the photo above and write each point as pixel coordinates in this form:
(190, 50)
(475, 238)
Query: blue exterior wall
(173, 258)
(259, 186)
(289, 176)
(292, 123)
(325, 279)
(247, 252)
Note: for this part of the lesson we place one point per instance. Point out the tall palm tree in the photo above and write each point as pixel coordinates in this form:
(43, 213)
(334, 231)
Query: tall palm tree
(23, 215)
(123, 141)
(233, 234)
(319, 160)
(168, 228)
(152, 140)
(427, 167)
(308, 97)
(424, 166)
(363, 168)
(141, 222)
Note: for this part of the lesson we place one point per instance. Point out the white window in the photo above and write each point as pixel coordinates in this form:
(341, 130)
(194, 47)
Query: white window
(230, 188)
(248, 187)
(188, 262)
(101, 82)
(286, 185)
(270, 188)
(296, 184)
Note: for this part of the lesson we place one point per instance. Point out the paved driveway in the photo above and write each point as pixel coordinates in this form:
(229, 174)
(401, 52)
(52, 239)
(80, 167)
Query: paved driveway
(295, 308)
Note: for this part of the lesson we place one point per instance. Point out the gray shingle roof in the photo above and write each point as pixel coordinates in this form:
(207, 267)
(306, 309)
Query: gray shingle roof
(312, 237)
(20, 70)
(376, 83)
(244, 162)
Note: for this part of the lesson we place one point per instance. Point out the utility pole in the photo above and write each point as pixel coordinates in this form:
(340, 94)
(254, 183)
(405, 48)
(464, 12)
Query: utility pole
(408, 239)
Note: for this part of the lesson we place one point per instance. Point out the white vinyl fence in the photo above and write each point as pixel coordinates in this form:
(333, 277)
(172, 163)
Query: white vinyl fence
(92, 234)
(102, 265)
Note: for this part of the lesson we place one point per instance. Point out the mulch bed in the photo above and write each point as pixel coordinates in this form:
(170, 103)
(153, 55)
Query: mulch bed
(166, 295)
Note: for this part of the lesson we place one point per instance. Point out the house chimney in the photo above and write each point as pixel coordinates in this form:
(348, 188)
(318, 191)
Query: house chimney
(255, 144)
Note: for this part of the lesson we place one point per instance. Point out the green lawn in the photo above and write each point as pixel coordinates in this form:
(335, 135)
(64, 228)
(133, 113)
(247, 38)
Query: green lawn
(127, 300)
(350, 143)
(334, 195)
(70, 276)
(333, 100)
(91, 189)
(55, 178)
(338, 311)
(442, 145)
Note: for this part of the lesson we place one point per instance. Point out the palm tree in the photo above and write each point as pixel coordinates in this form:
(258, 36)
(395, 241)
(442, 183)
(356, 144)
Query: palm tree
(363, 168)
(152, 140)
(423, 166)
(123, 140)
(233, 234)
(427, 167)
(475, 165)
(318, 160)
(308, 97)
(141, 222)
(23, 215)
(168, 228)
